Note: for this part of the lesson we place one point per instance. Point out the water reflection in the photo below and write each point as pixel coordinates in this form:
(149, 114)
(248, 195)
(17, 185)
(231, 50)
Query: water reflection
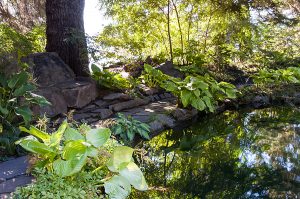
(246, 154)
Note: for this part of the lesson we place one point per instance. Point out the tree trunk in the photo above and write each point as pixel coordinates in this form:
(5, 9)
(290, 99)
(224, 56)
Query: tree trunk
(65, 33)
(169, 32)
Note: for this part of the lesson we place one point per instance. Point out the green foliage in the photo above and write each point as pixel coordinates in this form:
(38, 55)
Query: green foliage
(66, 152)
(49, 186)
(276, 77)
(152, 77)
(127, 128)
(16, 98)
(201, 92)
(13, 42)
(108, 79)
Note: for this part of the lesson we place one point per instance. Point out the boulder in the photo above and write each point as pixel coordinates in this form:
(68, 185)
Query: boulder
(169, 69)
(58, 84)
(48, 68)
(78, 93)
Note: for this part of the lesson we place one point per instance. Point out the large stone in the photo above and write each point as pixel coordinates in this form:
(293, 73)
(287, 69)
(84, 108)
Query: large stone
(129, 104)
(13, 168)
(169, 69)
(184, 114)
(58, 103)
(11, 185)
(58, 84)
(78, 94)
(49, 69)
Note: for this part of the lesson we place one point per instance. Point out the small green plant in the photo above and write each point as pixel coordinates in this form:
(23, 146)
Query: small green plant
(127, 128)
(66, 152)
(16, 98)
(109, 79)
(152, 77)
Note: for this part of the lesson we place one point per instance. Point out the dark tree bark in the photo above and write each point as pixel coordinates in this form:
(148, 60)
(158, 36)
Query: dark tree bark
(65, 33)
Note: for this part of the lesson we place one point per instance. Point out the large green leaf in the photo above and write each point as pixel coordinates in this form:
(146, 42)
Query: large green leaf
(98, 137)
(208, 103)
(186, 97)
(40, 100)
(198, 104)
(3, 110)
(35, 146)
(23, 89)
(74, 149)
(25, 112)
(73, 134)
(121, 156)
(45, 137)
(117, 188)
(134, 176)
(57, 136)
(66, 168)
(17, 80)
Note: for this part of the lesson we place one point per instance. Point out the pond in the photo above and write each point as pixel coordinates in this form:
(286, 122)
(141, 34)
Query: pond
(236, 154)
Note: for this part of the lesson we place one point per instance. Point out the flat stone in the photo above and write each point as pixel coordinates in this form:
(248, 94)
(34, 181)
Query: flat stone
(117, 96)
(156, 97)
(57, 100)
(129, 104)
(162, 96)
(85, 116)
(142, 118)
(100, 103)
(103, 113)
(13, 168)
(168, 95)
(184, 114)
(81, 95)
(11, 185)
(166, 120)
(149, 91)
(156, 126)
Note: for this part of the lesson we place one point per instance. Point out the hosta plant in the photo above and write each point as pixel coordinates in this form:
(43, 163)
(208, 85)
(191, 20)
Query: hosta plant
(16, 99)
(127, 128)
(200, 92)
(66, 152)
(275, 77)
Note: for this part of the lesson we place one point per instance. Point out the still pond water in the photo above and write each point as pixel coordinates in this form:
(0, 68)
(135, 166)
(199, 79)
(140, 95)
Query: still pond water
(244, 154)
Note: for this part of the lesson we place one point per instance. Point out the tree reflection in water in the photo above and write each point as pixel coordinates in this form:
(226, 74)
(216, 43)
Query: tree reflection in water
(245, 154)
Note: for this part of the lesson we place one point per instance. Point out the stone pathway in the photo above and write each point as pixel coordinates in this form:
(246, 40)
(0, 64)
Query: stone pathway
(12, 175)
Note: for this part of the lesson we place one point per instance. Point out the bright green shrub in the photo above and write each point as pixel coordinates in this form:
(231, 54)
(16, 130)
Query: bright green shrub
(108, 79)
(201, 92)
(281, 76)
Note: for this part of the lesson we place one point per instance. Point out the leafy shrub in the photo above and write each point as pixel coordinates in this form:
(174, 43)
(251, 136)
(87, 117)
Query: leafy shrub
(16, 98)
(152, 77)
(66, 152)
(13, 42)
(108, 79)
(281, 76)
(201, 92)
(127, 128)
